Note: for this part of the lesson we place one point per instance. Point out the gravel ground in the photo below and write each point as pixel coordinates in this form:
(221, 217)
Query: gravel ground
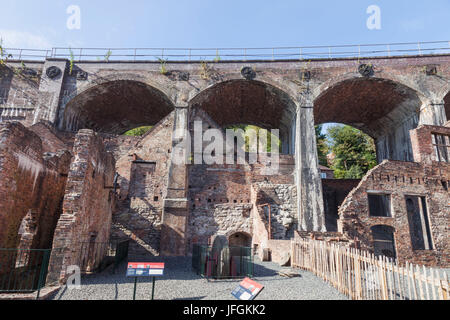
(181, 283)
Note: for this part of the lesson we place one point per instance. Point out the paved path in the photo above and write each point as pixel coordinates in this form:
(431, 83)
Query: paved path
(180, 282)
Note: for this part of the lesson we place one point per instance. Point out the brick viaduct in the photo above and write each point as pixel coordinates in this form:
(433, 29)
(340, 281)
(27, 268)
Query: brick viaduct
(385, 97)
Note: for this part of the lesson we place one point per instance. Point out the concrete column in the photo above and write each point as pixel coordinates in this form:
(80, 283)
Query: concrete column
(309, 183)
(176, 212)
(50, 92)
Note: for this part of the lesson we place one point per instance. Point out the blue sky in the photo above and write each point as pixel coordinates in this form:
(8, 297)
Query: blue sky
(231, 23)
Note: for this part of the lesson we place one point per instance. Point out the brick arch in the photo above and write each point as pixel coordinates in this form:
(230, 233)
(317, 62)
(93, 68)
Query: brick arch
(120, 76)
(335, 80)
(245, 236)
(250, 102)
(115, 107)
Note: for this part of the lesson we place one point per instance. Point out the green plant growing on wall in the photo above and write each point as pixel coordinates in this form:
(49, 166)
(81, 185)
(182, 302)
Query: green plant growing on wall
(108, 55)
(204, 74)
(3, 55)
(217, 58)
(162, 66)
(19, 71)
(71, 61)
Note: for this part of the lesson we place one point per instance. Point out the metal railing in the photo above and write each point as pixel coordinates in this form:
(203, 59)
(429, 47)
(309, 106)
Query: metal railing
(23, 270)
(233, 54)
(222, 263)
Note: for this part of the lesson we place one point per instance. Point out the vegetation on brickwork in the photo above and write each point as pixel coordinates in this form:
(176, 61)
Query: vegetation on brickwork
(136, 132)
(354, 152)
(204, 74)
(71, 61)
(3, 55)
(108, 55)
(162, 66)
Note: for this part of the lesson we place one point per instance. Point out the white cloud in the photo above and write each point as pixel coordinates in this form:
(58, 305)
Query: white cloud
(23, 39)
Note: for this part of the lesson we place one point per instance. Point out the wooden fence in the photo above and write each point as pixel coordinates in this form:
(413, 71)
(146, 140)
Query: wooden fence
(362, 276)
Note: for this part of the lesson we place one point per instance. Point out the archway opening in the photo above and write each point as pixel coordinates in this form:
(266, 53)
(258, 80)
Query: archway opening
(250, 102)
(383, 109)
(240, 239)
(345, 155)
(116, 107)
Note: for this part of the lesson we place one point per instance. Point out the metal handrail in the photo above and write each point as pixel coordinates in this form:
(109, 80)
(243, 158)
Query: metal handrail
(224, 54)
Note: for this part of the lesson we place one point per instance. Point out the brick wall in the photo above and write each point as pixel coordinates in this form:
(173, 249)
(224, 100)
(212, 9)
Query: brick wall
(87, 206)
(421, 140)
(143, 165)
(399, 179)
(31, 184)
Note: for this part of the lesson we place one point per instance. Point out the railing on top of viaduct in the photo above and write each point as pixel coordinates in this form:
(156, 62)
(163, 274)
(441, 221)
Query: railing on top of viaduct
(230, 54)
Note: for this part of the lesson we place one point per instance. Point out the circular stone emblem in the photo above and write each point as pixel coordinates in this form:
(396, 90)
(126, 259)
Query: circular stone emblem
(53, 72)
(366, 70)
(248, 73)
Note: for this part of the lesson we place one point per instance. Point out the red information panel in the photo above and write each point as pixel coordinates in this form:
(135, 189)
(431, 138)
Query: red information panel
(145, 269)
(247, 290)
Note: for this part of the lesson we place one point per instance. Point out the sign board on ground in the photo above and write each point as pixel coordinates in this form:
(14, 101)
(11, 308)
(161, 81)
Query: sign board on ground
(145, 269)
(247, 290)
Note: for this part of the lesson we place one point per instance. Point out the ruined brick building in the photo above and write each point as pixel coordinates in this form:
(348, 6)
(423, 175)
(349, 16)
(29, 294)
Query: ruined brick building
(68, 175)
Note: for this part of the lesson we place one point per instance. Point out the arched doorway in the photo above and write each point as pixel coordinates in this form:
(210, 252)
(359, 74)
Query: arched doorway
(383, 109)
(383, 240)
(115, 107)
(239, 239)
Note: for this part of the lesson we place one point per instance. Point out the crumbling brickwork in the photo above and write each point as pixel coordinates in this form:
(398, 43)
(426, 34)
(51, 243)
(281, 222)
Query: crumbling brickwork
(32, 185)
(398, 180)
(142, 165)
(87, 208)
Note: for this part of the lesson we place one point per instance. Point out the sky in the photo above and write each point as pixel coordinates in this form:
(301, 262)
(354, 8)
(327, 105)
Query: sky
(201, 23)
(43, 24)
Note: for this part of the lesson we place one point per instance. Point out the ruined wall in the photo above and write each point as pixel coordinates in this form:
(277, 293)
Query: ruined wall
(334, 193)
(31, 186)
(219, 201)
(87, 207)
(399, 179)
(143, 165)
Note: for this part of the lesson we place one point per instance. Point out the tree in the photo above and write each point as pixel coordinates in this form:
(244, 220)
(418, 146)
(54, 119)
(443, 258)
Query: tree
(140, 131)
(322, 147)
(354, 152)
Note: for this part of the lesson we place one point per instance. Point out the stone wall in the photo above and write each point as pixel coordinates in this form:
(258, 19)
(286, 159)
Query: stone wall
(87, 208)
(399, 179)
(19, 91)
(32, 186)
